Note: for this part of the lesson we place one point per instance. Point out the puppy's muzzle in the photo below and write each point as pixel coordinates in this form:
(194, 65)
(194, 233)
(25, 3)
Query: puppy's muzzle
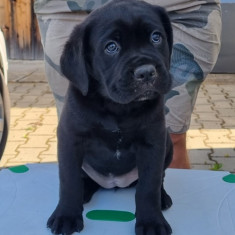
(145, 73)
(145, 77)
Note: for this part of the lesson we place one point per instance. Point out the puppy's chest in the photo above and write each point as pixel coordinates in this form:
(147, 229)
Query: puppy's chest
(111, 152)
(110, 159)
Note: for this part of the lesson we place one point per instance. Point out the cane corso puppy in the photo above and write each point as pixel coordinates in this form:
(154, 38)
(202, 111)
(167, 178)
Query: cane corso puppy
(112, 129)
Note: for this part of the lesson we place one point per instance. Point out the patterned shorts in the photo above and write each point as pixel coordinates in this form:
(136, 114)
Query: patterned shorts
(196, 46)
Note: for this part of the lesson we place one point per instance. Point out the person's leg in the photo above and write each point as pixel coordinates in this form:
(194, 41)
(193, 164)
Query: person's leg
(55, 30)
(196, 46)
(180, 157)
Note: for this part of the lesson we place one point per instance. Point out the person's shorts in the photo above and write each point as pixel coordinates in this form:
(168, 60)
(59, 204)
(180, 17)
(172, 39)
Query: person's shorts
(196, 46)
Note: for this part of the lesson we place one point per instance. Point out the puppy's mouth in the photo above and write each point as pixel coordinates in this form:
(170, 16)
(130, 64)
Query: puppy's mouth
(147, 95)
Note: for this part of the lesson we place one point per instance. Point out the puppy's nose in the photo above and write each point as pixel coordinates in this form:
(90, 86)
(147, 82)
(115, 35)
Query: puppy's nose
(145, 73)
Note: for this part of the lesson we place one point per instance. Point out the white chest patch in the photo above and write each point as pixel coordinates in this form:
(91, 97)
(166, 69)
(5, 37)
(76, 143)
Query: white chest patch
(111, 181)
(118, 154)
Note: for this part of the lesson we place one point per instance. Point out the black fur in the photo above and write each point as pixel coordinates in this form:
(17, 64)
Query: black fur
(117, 62)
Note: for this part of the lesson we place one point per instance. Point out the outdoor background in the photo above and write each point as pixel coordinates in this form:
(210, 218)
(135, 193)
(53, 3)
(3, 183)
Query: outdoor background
(32, 137)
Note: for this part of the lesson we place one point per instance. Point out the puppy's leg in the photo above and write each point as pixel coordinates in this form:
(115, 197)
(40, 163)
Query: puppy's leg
(90, 187)
(169, 151)
(166, 201)
(67, 217)
(149, 217)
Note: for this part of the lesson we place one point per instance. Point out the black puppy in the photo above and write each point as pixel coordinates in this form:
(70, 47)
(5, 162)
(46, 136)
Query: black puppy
(112, 129)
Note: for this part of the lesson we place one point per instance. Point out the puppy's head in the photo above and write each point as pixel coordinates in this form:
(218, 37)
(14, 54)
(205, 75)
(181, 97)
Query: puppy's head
(123, 48)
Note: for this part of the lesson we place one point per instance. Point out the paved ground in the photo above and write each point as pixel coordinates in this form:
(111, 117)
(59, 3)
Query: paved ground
(32, 137)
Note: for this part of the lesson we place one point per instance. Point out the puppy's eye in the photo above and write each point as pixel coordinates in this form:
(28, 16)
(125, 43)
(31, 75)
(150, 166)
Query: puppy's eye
(112, 48)
(156, 37)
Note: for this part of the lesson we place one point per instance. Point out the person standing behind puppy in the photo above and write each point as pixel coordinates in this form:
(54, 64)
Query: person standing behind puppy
(196, 29)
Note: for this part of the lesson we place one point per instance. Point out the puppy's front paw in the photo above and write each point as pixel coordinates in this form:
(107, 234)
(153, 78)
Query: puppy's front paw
(65, 224)
(155, 228)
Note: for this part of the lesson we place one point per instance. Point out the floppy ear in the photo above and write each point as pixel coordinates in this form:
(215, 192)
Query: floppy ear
(167, 26)
(73, 61)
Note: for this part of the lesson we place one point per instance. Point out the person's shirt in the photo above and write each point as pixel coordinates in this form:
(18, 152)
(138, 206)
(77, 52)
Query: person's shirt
(63, 6)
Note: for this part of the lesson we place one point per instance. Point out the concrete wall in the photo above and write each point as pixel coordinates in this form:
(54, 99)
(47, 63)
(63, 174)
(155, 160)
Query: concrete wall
(226, 60)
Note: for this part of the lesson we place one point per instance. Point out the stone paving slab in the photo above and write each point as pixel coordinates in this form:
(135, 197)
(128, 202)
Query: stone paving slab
(32, 137)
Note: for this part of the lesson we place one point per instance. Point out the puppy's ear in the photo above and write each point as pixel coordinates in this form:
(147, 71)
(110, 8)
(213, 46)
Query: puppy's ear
(167, 26)
(73, 61)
